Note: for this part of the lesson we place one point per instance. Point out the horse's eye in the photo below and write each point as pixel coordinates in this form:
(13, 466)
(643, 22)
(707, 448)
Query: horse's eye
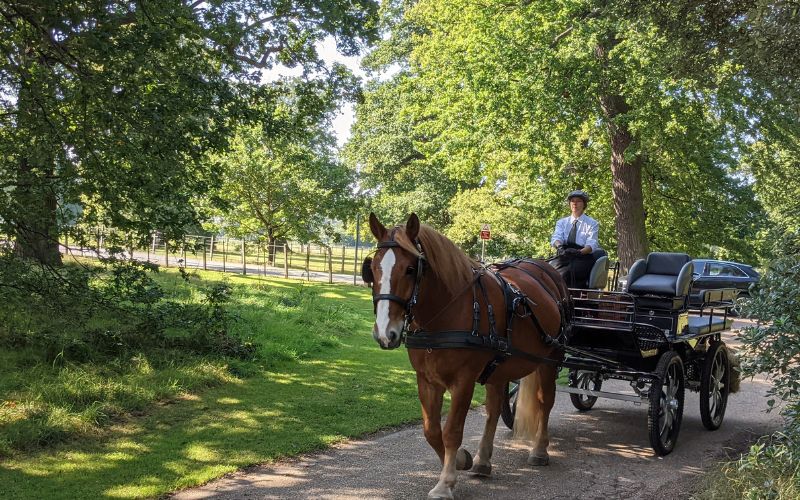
(411, 270)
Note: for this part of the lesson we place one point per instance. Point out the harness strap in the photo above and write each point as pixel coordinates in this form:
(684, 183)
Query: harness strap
(564, 311)
(460, 339)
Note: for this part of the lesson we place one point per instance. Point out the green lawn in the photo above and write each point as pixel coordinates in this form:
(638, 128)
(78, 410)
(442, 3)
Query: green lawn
(319, 378)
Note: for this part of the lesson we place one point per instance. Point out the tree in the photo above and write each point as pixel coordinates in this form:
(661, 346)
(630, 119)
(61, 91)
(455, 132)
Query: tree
(285, 186)
(597, 95)
(384, 151)
(115, 105)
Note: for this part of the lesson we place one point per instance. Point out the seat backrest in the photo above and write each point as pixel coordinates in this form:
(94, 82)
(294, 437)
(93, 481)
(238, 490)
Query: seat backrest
(598, 277)
(666, 263)
(662, 273)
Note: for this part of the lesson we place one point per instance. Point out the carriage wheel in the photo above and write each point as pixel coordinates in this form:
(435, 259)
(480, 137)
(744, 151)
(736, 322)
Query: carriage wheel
(666, 403)
(509, 407)
(582, 379)
(715, 384)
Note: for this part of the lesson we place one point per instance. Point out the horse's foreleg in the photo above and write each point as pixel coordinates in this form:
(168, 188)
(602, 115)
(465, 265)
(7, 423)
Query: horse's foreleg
(453, 434)
(495, 393)
(430, 396)
(545, 399)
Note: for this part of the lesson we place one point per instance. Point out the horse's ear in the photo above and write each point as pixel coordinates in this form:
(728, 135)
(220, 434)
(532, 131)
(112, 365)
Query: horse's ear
(378, 230)
(412, 227)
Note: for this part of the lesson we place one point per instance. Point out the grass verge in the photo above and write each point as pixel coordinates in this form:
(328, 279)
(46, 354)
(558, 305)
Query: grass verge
(158, 421)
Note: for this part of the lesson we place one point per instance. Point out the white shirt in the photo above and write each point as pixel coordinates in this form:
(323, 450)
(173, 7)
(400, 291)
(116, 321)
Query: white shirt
(586, 232)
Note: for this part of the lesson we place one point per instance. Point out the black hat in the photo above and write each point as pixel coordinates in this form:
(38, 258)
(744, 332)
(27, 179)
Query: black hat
(579, 194)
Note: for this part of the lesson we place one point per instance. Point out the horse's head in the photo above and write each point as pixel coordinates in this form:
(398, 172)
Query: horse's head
(394, 273)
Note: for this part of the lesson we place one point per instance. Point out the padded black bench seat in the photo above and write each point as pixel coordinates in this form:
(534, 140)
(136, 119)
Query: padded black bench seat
(701, 325)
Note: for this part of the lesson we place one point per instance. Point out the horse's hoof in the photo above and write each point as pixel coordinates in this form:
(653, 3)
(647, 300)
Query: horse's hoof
(463, 459)
(447, 494)
(483, 470)
(538, 461)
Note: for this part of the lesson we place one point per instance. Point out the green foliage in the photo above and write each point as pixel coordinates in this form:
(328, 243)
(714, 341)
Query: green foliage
(503, 106)
(287, 186)
(82, 312)
(108, 119)
(770, 470)
(773, 346)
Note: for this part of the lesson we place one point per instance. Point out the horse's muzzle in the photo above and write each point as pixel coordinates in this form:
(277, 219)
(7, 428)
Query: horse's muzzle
(391, 340)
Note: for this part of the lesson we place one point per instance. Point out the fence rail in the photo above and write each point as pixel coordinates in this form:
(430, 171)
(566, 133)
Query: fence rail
(340, 263)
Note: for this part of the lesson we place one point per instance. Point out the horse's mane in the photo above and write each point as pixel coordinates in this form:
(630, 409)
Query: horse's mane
(452, 266)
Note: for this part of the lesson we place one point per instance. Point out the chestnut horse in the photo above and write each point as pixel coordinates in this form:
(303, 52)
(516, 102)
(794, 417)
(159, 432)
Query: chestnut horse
(463, 323)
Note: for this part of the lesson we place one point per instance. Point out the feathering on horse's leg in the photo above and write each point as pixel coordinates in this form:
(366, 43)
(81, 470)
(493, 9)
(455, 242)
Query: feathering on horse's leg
(430, 397)
(495, 394)
(454, 458)
(545, 398)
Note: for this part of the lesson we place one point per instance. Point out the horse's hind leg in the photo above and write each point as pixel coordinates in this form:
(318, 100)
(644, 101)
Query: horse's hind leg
(545, 399)
(430, 396)
(495, 393)
(461, 394)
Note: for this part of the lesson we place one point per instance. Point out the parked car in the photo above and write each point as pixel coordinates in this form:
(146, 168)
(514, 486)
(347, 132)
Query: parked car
(710, 274)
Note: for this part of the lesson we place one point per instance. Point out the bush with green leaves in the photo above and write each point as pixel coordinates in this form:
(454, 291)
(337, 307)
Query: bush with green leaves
(773, 345)
(771, 468)
(83, 312)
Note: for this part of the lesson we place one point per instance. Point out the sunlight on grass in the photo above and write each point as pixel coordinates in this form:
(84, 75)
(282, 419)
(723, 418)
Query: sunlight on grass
(228, 401)
(318, 379)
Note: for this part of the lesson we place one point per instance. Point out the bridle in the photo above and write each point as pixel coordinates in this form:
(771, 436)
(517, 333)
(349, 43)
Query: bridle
(407, 304)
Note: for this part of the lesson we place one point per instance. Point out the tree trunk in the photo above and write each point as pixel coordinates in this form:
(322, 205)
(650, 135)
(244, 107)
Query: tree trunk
(271, 247)
(626, 176)
(36, 227)
(34, 212)
(626, 187)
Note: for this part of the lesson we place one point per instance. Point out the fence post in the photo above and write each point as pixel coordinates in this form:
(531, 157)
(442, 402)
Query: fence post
(183, 252)
(343, 251)
(330, 265)
(166, 253)
(211, 257)
(285, 261)
(244, 259)
(308, 260)
(355, 258)
(205, 264)
(224, 255)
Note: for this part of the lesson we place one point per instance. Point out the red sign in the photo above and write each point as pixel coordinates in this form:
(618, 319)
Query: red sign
(486, 235)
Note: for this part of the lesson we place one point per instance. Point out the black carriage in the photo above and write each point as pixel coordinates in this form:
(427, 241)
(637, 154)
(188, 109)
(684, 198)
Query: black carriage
(651, 337)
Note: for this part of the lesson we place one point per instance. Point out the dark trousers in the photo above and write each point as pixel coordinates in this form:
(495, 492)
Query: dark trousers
(576, 269)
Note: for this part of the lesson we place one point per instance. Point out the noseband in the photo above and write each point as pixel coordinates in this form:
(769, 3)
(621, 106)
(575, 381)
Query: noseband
(411, 301)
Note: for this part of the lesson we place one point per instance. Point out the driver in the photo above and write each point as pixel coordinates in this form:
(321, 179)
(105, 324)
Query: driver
(575, 241)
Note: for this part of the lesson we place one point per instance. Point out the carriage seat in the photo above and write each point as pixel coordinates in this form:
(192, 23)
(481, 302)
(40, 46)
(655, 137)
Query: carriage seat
(662, 274)
(701, 325)
(598, 277)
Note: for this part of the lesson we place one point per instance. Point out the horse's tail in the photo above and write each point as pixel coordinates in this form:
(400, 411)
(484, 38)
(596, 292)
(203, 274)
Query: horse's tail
(528, 413)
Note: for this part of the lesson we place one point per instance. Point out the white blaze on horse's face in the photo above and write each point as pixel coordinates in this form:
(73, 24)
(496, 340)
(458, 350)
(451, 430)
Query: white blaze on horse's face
(386, 330)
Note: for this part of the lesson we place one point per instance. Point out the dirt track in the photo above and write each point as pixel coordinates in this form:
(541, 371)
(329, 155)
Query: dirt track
(601, 454)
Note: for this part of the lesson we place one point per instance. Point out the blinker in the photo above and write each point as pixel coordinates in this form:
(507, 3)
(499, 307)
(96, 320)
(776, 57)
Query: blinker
(366, 271)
